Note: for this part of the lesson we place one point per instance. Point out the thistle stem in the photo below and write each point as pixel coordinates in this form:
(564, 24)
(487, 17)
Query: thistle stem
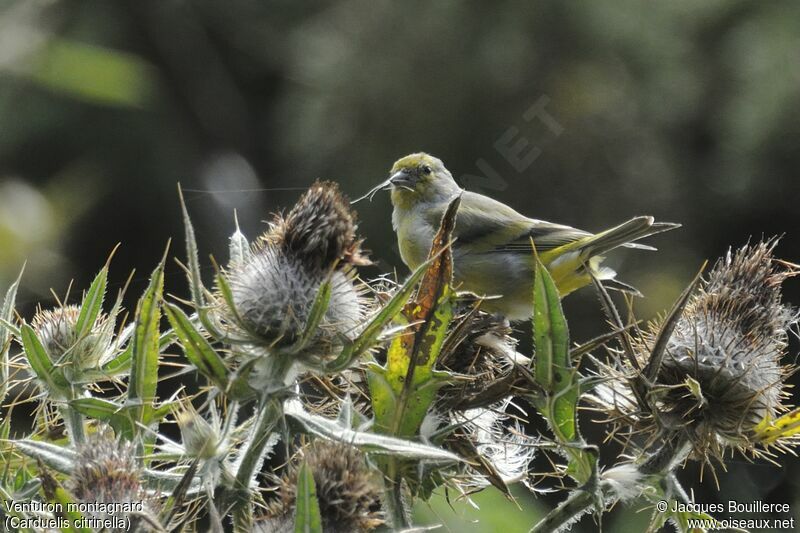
(663, 460)
(396, 510)
(73, 421)
(269, 415)
(566, 513)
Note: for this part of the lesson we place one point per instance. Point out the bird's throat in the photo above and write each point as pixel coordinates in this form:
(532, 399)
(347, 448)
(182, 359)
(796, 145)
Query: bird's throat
(403, 199)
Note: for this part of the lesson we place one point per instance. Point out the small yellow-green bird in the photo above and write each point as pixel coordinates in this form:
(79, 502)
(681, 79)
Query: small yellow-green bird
(492, 254)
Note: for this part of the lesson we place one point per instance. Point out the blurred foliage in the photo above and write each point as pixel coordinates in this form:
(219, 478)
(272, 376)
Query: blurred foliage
(492, 507)
(687, 111)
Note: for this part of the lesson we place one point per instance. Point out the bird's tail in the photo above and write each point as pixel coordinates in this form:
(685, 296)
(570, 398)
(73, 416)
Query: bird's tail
(573, 265)
(626, 234)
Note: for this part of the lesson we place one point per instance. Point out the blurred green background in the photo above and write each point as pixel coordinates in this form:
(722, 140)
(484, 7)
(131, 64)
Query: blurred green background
(580, 112)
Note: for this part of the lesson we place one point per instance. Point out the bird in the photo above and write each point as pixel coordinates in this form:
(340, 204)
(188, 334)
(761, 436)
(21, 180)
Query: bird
(492, 252)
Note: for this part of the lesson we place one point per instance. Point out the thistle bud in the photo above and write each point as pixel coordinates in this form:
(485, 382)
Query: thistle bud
(200, 438)
(347, 492)
(106, 473)
(274, 288)
(56, 329)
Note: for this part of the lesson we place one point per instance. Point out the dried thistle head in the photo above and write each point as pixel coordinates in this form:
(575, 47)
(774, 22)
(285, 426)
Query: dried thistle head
(106, 472)
(320, 229)
(480, 352)
(722, 373)
(274, 287)
(57, 330)
(347, 491)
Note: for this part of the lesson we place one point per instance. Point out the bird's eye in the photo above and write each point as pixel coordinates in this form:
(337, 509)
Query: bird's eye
(426, 169)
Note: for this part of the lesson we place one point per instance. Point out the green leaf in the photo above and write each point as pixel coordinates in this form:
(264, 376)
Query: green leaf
(552, 370)
(402, 391)
(120, 363)
(166, 482)
(555, 374)
(56, 457)
(193, 271)
(144, 363)
(366, 441)
(382, 395)
(177, 497)
(405, 389)
(6, 315)
(118, 416)
(92, 304)
(227, 294)
(307, 518)
(96, 408)
(197, 349)
(316, 314)
(238, 247)
(160, 412)
(40, 362)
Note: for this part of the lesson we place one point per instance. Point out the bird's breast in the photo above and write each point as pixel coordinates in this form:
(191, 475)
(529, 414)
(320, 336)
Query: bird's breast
(414, 237)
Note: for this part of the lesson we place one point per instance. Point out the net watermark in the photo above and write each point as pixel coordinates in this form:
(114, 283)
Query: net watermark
(699, 515)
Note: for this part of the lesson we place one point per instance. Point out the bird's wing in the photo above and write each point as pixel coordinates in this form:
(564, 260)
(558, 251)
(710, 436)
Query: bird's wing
(485, 225)
(547, 237)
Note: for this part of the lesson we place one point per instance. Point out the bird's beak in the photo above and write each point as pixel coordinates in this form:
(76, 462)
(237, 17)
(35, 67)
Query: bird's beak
(402, 179)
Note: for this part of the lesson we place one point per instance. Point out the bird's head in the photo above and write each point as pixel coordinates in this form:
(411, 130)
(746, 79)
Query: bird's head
(420, 178)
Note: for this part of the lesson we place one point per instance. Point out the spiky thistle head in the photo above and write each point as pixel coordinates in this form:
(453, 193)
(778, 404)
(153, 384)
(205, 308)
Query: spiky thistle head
(274, 288)
(106, 471)
(320, 230)
(347, 491)
(722, 370)
(722, 374)
(57, 330)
